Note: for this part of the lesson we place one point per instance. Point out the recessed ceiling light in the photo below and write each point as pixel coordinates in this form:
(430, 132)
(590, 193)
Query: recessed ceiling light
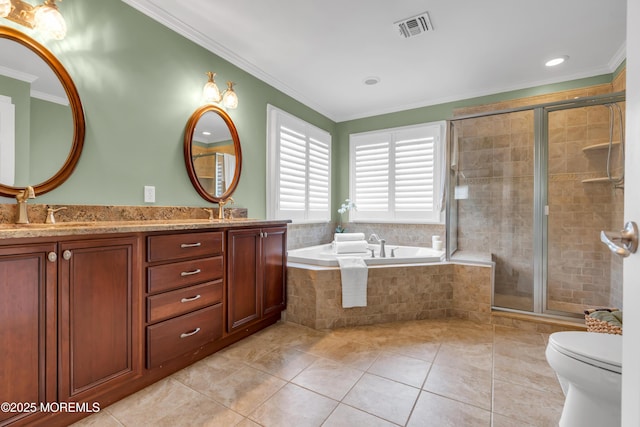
(373, 80)
(206, 133)
(556, 61)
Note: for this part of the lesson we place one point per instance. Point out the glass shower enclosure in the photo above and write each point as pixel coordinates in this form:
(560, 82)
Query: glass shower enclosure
(533, 187)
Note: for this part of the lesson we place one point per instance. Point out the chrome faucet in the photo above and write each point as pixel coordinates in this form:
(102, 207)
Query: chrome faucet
(374, 238)
(22, 197)
(221, 204)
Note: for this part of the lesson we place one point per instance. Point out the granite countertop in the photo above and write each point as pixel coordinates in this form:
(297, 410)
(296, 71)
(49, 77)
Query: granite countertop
(8, 231)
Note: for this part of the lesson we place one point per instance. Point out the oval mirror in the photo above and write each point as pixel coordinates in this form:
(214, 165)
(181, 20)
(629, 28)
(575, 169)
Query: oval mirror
(42, 123)
(212, 153)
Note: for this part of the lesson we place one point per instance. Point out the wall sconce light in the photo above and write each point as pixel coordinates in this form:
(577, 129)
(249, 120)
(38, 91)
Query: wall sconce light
(45, 18)
(228, 98)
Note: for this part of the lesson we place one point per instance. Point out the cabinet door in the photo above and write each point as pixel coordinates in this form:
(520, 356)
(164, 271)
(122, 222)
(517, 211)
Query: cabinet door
(27, 326)
(243, 277)
(100, 316)
(274, 262)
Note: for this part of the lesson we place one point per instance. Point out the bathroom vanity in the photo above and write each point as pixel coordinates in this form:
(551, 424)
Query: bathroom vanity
(90, 313)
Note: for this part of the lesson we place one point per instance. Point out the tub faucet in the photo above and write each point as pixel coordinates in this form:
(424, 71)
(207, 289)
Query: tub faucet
(22, 197)
(374, 238)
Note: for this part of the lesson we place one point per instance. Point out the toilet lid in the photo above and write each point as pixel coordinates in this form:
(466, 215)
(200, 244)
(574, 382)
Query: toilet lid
(601, 350)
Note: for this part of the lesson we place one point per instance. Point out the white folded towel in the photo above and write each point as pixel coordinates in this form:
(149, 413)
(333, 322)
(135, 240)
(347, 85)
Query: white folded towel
(351, 246)
(354, 273)
(346, 237)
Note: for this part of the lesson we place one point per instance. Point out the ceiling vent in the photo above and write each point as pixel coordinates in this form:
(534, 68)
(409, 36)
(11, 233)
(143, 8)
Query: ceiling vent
(415, 25)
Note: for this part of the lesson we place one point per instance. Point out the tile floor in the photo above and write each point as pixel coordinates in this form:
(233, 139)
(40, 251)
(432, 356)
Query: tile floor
(417, 373)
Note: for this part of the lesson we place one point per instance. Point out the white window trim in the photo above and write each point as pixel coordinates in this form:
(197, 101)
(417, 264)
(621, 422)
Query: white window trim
(437, 216)
(275, 117)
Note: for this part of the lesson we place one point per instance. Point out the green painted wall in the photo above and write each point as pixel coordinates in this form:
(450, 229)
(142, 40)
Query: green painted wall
(139, 82)
(51, 135)
(18, 91)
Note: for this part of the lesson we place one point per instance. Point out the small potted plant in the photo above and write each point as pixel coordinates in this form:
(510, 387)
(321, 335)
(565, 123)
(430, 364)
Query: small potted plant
(346, 207)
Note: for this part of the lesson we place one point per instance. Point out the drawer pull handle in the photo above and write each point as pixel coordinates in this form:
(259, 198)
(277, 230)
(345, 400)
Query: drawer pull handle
(190, 245)
(188, 334)
(190, 273)
(190, 299)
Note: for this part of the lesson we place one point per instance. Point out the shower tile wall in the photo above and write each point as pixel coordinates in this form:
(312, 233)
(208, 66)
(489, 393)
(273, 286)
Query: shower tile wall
(579, 265)
(496, 157)
(496, 163)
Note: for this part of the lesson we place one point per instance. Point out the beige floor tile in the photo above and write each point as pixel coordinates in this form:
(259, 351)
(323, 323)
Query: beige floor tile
(329, 378)
(465, 385)
(473, 357)
(286, 335)
(247, 423)
(99, 419)
(294, 406)
(434, 410)
(356, 354)
(243, 391)
(284, 363)
(504, 333)
(410, 346)
(498, 420)
(198, 375)
(346, 416)
(166, 403)
(384, 398)
(539, 408)
(249, 349)
(404, 369)
(532, 373)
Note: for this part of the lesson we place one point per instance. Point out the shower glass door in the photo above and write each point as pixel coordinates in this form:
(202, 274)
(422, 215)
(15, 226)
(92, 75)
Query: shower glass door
(492, 180)
(583, 143)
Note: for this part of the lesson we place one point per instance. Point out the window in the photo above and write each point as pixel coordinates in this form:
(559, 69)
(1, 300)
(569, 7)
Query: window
(298, 168)
(395, 175)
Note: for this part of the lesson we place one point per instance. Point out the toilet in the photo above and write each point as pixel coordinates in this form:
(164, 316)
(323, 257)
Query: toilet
(589, 368)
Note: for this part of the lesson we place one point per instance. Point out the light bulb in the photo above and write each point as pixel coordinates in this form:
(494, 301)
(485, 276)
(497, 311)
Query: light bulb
(211, 92)
(230, 99)
(5, 8)
(49, 21)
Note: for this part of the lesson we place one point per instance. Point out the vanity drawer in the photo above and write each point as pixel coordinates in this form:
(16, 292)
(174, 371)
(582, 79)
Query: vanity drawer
(171, 338)
(187, 245)
(174, 303)
(179, 274)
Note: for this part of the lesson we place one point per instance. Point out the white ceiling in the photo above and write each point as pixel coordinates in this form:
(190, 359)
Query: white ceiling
(320, 51)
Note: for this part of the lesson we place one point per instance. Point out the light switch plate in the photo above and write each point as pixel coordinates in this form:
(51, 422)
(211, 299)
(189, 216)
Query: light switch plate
(461, 192)
(149, 194)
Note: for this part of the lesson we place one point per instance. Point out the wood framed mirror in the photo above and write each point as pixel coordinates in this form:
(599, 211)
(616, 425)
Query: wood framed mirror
(212, 153)
(40, 104)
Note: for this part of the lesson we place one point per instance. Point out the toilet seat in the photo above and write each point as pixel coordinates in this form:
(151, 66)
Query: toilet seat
(600, 350)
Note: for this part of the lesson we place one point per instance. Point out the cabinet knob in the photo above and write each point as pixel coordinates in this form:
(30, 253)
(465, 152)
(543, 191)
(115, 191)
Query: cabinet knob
(52, 256)
(66, 255)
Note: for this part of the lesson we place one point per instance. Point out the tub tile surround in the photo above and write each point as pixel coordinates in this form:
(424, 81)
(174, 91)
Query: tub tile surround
(304, 235)
(394, 293)
(95, 213)
(445, 372)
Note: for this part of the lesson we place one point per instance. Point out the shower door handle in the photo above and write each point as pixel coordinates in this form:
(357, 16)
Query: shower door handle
(628, 238)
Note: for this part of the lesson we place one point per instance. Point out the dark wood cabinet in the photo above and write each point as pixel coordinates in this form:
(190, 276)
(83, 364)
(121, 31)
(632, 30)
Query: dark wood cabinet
(100, 316)
(255, 274)
(185, 276)
(81, 314)
(27, 327)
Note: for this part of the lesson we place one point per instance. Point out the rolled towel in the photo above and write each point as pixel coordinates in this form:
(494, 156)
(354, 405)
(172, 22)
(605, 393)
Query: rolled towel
(351, 247)
(348, 237)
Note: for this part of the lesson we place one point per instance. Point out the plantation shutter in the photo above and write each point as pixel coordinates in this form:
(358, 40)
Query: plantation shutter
(394, 174)
(299, 169)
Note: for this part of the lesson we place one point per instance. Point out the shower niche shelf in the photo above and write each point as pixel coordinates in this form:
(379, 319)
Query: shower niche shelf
(598, 180)
(597, 147)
